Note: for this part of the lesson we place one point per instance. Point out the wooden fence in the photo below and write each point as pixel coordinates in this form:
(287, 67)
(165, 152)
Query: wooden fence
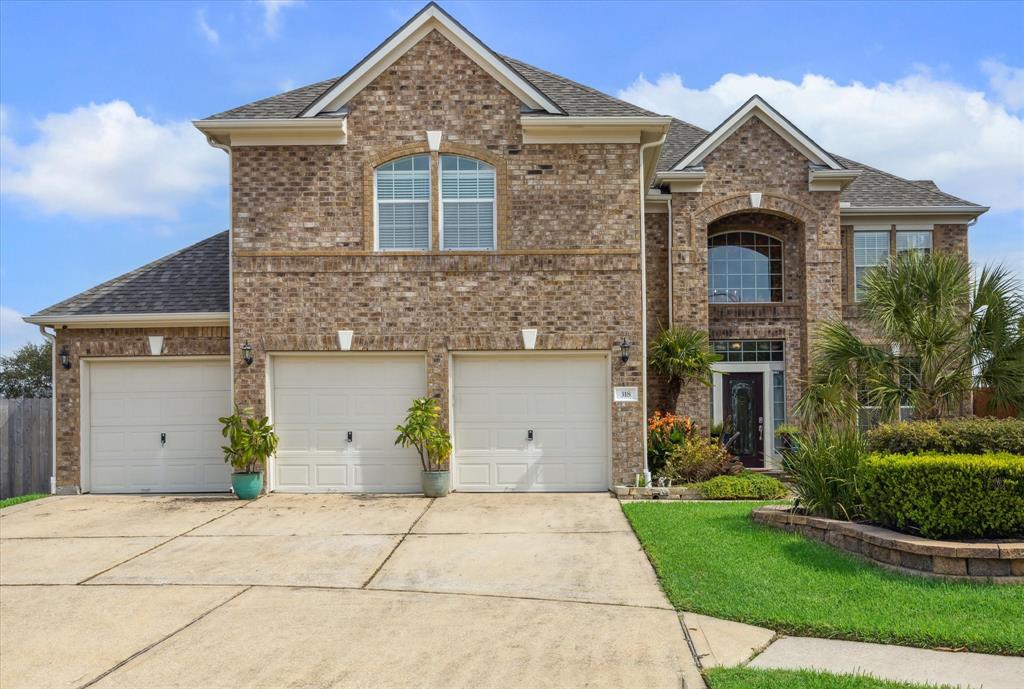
(25, 446)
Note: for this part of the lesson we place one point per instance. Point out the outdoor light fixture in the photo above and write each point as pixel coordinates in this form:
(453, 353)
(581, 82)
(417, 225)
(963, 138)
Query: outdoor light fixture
(247, 353)
(624, 349)
(65, 358)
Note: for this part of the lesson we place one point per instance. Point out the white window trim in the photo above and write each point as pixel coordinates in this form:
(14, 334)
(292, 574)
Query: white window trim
(442, 201)
(707, 285)
(857, 298)
(430, 209)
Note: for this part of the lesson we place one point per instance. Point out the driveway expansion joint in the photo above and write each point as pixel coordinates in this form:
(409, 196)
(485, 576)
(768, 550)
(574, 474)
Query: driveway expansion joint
(399, 544)
(156, 643)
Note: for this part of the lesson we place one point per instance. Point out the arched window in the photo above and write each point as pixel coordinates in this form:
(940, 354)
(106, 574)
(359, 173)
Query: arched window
(744, 267)
(403, 204)
(468, 215)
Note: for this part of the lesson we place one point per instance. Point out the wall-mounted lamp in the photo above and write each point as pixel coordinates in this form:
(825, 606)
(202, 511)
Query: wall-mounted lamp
(65, 358)
(247, 353)
(624, 349)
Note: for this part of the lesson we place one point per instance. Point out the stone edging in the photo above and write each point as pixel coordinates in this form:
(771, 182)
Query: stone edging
(657, 493)
(1001, 562)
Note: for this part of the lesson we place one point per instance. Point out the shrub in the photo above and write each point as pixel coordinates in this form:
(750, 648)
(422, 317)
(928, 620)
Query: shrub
(946, 496)
(422, 430)
(698, 458)
(251, 440)
(748, 485)
(823, 470)
(953, 436)
(664, 433)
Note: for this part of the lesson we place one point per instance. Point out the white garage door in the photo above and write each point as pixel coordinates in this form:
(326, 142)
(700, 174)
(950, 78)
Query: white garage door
(563, 400)
(320, 400)
(153, 426)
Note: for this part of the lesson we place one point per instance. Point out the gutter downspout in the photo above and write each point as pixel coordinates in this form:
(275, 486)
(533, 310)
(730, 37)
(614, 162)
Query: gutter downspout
(670, 317)
(52, 337)
(643, 291)
(231, 267)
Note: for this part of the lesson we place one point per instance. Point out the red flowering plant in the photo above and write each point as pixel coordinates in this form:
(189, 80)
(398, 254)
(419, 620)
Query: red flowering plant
(665, 432)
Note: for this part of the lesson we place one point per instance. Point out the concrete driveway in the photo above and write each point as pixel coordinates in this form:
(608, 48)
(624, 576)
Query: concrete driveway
(332, 591)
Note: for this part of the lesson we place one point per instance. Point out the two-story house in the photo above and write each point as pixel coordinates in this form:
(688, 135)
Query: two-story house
(443, 220)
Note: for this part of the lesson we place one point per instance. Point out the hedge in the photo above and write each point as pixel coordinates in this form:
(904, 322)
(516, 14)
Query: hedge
(748, 485)
(946, 496)
(972, 436)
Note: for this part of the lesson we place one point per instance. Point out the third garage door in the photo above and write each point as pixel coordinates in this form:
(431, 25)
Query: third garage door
(531, 422)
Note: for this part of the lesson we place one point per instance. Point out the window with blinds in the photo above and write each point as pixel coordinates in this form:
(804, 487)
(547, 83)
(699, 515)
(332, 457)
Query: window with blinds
(870, 249)
(403, 204)
(467, 204)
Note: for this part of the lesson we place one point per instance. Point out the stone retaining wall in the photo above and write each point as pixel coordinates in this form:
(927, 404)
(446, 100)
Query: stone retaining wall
(1001, 561)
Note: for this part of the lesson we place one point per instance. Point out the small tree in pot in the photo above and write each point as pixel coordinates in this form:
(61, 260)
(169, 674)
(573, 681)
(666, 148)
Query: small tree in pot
(422, 431)
(251, 441)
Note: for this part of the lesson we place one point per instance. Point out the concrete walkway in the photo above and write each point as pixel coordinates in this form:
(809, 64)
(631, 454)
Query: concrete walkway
(720, 643)
(476, 591)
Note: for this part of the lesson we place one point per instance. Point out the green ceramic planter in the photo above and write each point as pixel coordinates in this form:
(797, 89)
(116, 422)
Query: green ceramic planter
(247, 486)
(436, 484)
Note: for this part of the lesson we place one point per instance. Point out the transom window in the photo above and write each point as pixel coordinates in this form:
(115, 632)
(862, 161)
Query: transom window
(749, 350)
(744, 267)
(913, 240)
(467, 204)
(403, 204)
(870, 249)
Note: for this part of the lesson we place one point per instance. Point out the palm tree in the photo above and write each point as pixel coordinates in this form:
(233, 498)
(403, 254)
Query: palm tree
(938, 332)
(682, 355)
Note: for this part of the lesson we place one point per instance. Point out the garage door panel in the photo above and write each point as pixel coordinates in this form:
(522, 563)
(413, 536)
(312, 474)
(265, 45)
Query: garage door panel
(563, 399)
(367, 395)
(131, 403)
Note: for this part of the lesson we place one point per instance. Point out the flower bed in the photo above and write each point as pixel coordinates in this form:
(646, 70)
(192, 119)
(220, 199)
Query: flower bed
(998, 561)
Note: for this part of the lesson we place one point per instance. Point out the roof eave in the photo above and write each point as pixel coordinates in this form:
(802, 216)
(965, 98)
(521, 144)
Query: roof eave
(964, 211)
(277, 131)
(130, 320)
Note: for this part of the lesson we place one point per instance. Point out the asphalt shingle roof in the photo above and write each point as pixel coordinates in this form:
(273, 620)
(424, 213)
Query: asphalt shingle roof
(282, 106)
(877, 188)
(191, 280)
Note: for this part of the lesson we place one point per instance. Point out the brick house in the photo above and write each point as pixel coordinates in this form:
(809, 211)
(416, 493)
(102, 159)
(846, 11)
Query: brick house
(447, 221)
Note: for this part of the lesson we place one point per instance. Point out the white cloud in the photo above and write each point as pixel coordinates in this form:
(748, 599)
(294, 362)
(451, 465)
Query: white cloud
(1006, 81)
(272, 14)
(208, 32)
(108, 161)
(917, 127)
(15, 332)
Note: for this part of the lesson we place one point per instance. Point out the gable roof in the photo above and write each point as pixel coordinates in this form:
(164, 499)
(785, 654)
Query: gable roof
(757, 107)
(193, 280)
(575, 99)
(430, 18)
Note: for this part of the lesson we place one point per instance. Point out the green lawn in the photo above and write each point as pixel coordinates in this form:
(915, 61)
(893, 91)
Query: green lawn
(712, 559)
(747, 678)
(7, 502)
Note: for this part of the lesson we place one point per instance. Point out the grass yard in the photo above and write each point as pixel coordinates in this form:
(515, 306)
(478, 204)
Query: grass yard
(747, 678)
(7, 502)
(712, 559)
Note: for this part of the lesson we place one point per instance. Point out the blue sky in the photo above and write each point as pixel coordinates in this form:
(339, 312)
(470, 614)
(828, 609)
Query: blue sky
(101, 171)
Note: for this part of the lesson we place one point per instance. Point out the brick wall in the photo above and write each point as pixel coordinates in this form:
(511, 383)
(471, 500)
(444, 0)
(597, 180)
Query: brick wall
(756, 159)
(568, 239)
(112, 342)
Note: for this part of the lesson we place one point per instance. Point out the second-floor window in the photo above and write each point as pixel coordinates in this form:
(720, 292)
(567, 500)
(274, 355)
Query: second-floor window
(913, 240)
(744, 267)
(870, 249)
(403, 204)
(467, 204)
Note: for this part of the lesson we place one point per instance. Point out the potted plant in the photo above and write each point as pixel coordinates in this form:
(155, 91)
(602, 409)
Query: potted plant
(251, 441)
(422, 431)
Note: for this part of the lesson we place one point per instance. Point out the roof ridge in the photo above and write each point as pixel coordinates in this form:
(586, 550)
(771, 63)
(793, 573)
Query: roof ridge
(559, 77)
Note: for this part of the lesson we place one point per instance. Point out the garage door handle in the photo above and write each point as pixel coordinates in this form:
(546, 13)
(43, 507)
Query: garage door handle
(163, 439)
(529, 435)
(348, 436)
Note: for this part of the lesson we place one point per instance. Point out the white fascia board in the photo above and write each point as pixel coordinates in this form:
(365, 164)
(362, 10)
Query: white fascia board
(132, 320)
(682, 181)
(276, 132)
(830, 180)
(922, 214)
(587, 130)
(757, 107)
(431, 18)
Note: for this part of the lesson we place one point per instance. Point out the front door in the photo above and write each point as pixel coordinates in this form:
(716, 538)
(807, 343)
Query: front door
(743, 411)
